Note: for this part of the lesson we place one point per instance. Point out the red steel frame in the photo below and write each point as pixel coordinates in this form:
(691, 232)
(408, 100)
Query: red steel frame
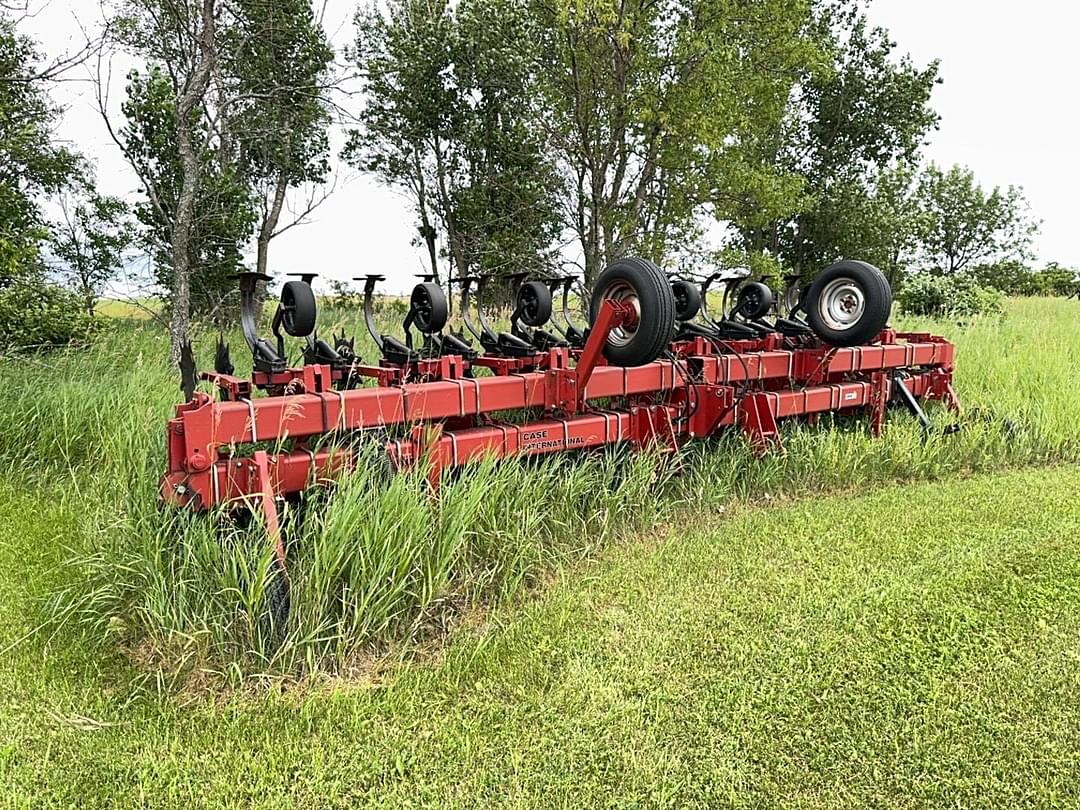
(451, 416)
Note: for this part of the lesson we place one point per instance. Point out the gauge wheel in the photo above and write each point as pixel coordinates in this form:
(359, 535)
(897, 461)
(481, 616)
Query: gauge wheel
(848, 304)
(753, 300)
(429, 307)
(534, 303)
(297, 308)
(687, 299)
(642, 285)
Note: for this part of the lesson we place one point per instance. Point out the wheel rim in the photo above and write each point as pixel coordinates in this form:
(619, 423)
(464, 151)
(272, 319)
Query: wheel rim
(422, 307)
(530, 304)
(622, 292)
(749, 300)
(841, 304)
(288, 311)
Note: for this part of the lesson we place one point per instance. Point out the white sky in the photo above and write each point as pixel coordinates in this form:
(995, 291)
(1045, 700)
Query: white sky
(1008, 107)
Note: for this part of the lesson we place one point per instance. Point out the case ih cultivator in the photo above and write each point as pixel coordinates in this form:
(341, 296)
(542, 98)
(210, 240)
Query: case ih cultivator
(653, 368)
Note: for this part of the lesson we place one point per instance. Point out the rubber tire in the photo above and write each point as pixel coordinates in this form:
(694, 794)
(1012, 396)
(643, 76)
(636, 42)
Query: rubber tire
(753, 300)
(278, 600)
(877, 295)
(534, 301)
(656, 323)
(298, 309)
(435, 311)
(687, 300)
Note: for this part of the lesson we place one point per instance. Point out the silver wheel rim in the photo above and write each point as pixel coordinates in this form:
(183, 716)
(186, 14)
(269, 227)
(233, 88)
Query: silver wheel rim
(841, 304)
(622, 292)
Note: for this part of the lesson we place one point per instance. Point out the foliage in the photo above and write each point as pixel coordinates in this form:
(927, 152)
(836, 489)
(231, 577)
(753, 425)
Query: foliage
(660, 114)
(91, 242)
(35, 314)
(851, 131)
(275, 69)
(451, 119)
(224, 209)
(1057, 280)
(964, 225)
(32, 164)
(954, 296)
(1016, 278)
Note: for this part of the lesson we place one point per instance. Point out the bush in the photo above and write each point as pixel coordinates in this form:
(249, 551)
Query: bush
(956, 296)
(38, 314)
(1016, 279)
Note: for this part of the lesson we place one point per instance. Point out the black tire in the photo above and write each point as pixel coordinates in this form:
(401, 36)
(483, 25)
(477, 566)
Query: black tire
(753, 300)
(429, 307)
(687, 300)
(298, 309)
(642, 282)
(848, 303)
(534, 303)
(277, 600)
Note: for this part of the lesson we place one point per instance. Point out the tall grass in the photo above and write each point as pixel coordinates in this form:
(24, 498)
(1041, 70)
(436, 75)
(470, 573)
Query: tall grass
(376, 564)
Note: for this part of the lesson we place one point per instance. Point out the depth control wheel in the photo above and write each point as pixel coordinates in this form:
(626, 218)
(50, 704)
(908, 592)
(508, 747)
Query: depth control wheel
(640, 284)
(429, 307)
(849, 303)
(534, 303)
(753, 301)
(687, 299)
(297, 309)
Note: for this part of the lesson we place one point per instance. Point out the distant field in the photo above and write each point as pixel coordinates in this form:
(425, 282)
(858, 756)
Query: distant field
(617, 635)
(139, 310)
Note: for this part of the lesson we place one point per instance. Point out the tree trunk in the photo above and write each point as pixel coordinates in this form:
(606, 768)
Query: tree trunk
(270, 222)
(195, 89)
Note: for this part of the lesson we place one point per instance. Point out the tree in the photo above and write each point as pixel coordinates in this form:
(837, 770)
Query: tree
(181, 40)
(90, 243)
(33, 312)
(963, 225)
(660, 113)
(32, 164)
(275, 73)
(451, 120)
(227, 117)
(852, 129)
(877, 220)
(223, 213)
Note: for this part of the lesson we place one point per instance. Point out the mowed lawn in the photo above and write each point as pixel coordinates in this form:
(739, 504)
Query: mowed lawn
(918, 646)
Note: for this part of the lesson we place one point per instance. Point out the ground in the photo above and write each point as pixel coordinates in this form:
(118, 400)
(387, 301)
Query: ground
(914, 646)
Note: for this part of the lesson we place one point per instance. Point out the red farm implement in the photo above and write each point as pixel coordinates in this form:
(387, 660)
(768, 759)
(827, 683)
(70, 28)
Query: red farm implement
(653, 369)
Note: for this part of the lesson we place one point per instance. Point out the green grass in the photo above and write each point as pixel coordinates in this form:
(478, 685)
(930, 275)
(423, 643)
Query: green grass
(915, 647)
(380, 570)
(592, 631)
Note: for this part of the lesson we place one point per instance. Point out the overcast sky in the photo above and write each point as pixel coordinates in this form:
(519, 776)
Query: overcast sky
(1008, 106)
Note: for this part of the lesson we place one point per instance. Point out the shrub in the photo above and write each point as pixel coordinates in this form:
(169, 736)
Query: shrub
(1056, 280)
(958, 296)
(1009, 277)
(1015, 278)
(36, 313)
